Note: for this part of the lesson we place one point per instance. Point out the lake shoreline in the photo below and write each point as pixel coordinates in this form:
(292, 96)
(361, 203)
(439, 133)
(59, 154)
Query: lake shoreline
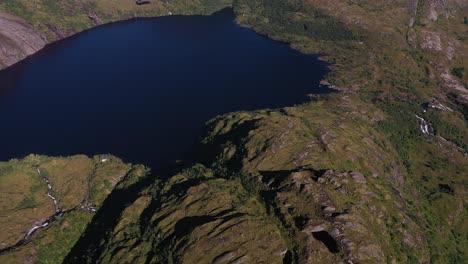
(71, 37)
(278, 76)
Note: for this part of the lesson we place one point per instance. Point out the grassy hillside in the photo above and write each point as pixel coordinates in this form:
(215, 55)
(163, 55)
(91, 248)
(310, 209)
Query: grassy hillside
(396, 62)
(321, 182)
(79, 184)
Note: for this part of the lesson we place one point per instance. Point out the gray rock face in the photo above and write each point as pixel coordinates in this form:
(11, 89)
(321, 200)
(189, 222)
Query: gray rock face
(444, 8)
(17, 40)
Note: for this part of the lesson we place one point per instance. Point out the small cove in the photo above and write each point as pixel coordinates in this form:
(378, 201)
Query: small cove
(143, 89)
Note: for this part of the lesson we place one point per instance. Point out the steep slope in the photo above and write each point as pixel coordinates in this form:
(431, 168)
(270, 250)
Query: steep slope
(17, 40)
(376, 173)
(406, 215)
(194, 218)
(46, 202)
(320, 187)
(407, 60)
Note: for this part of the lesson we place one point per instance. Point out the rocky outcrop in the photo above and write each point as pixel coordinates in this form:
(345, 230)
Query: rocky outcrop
(444, 8)
(301, 216)
(298, 216)
(335, 217)
(194, 217)
(18, 40)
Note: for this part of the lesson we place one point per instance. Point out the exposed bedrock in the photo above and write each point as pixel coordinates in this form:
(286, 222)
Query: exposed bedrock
(17, 40)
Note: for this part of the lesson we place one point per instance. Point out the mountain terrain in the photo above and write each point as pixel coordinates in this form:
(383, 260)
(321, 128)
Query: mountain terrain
(375, 173)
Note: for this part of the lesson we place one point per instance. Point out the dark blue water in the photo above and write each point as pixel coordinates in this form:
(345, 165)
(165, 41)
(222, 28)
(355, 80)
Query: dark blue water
(143, 89)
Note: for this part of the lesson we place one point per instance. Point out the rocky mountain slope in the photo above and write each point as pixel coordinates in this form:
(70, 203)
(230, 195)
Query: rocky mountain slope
(376, 173)
(17, 40)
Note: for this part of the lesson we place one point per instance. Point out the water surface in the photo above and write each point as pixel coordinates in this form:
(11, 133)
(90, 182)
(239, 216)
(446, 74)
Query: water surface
(143, 89)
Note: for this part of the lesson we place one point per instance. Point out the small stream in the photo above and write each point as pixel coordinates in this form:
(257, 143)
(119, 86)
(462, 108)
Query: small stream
(424, 126)
(58, 208)
(84, 206)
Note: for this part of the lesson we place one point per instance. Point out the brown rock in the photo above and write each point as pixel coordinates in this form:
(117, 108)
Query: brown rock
(17, 40)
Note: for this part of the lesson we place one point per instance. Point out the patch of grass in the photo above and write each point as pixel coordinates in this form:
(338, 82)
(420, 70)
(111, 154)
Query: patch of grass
(27, 202)
(54, 244)
(17, 8)
(283, 17)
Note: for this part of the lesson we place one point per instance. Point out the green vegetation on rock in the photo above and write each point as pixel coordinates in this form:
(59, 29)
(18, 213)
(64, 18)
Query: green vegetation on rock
(76, 184)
